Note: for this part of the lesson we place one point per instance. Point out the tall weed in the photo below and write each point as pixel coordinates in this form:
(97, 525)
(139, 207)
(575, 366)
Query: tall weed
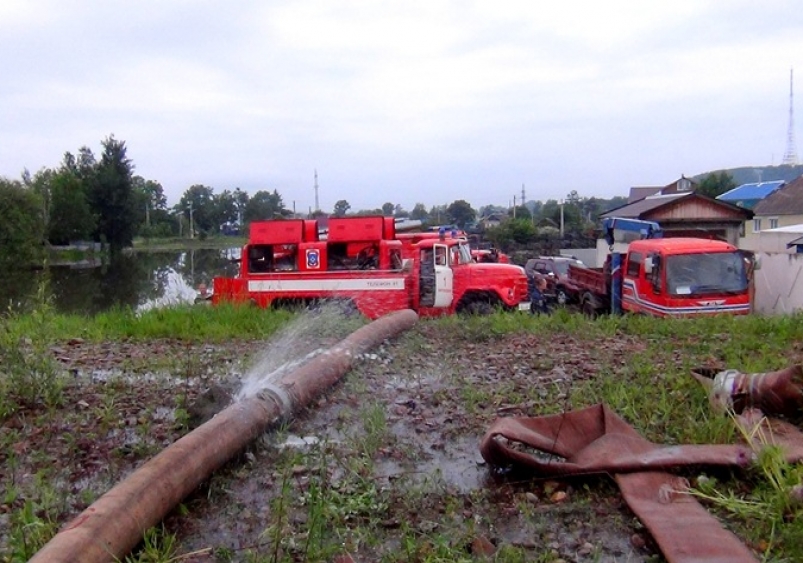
(29, 375)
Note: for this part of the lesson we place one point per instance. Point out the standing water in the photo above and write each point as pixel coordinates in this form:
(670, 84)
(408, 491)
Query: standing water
(310, 334)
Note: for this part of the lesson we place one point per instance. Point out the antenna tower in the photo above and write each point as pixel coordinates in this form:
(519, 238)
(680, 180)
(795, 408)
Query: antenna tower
(790, 156)
(522, 195)
(317, 208)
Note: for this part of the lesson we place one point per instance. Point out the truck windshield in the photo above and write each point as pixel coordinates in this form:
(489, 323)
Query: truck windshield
(465, 253)
(706, 274)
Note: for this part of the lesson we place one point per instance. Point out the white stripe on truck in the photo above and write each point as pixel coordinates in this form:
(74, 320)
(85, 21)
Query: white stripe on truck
(350, 284)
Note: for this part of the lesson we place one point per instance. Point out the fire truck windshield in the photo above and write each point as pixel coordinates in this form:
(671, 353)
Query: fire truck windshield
(465, 253)
(706, 274)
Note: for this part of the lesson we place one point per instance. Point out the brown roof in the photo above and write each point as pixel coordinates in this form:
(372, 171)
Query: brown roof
(642, 208)
(637, 208)
(786, 200)
(640, 192)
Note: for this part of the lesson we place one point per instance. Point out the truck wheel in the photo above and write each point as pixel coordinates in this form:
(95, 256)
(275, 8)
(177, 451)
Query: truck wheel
(478, 307)
(561, 296)
(589, 310)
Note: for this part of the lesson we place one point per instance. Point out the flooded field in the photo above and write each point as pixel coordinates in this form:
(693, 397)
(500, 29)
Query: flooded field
(139, 280)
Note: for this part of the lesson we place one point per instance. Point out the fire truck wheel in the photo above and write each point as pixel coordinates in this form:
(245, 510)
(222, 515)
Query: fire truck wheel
(561, 296)
(588, 309)
(478, 307)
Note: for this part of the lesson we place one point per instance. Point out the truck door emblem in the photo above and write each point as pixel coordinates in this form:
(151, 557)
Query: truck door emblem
(313, 258)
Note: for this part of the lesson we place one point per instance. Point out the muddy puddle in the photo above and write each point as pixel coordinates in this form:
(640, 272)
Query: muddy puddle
(416, 425)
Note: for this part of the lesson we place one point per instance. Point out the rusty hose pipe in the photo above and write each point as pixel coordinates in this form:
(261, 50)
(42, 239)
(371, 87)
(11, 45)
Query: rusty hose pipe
(593, 440)
(113, 525)
(775, 393)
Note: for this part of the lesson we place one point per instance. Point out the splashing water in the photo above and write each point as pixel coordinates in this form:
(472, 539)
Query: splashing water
(310, 334)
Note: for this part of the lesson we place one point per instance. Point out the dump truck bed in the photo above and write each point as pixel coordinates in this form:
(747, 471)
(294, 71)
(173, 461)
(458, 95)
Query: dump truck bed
(594, 280)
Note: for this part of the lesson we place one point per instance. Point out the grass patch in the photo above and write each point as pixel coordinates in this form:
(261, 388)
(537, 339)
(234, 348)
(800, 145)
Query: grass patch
(448, 379)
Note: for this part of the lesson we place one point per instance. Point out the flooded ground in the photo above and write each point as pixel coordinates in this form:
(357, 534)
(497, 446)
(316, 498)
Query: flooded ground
(390, 453)
(139, 280)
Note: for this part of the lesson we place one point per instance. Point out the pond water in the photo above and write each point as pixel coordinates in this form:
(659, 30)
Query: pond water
(136, 280)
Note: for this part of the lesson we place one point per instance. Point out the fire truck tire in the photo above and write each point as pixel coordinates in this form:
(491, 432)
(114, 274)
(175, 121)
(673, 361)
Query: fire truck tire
(589, 309)
(477, 306)
(561, 296)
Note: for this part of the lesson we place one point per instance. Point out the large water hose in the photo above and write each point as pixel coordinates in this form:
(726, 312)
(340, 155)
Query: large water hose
(113, 525)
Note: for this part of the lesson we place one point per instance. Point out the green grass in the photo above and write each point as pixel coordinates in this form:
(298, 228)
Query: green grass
(186, 322)
(327, 500)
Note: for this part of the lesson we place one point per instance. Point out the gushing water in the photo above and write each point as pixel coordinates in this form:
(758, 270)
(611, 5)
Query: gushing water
(310, 334)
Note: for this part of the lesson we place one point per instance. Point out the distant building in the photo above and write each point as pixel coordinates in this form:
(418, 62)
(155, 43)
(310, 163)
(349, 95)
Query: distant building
(688, 214)
(492, 220)
(748, 195)
(783, 208)
(682, 185)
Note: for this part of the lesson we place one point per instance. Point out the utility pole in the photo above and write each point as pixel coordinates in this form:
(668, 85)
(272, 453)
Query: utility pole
(514, 206)
(561, 218)
(192, 231)
(317, 207)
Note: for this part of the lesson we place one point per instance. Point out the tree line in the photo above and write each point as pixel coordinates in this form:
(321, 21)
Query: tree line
(100, 199)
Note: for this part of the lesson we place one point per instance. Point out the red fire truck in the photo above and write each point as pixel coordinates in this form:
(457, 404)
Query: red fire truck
(362, 263)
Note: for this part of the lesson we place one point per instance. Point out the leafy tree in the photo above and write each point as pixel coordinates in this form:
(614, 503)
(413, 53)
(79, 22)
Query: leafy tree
(112, 193)
(552, 210)
(387, 209)
(461, 213)
(365, 212)
(225, 208)
(517, 230)
(399, 211)
(264, 205)
(716, 184)
(71, 216)
(419, 212)
(521, 212)
(590, 209)
(341, 208)
(490, 209)
(154, 220)
(437, 215)
(198, 205)
(22, 228)
(613, 203)
(241, 202)
(40, 184)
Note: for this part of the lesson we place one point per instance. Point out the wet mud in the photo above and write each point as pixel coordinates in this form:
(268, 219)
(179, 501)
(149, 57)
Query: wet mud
(433, 395)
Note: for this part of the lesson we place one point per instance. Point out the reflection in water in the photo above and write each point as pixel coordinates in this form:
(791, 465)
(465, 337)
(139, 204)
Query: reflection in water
(140, 281)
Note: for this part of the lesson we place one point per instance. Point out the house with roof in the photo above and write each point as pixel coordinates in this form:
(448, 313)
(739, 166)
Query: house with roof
(688, 215)
(492, 220)
(681, 185)
(748, 195)
(780, 213)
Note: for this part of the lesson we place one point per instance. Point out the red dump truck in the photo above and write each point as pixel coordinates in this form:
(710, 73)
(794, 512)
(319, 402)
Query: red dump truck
(361, 262)
(666, 277)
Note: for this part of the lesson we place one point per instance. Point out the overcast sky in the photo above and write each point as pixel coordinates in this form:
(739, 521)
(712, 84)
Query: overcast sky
(411, 101)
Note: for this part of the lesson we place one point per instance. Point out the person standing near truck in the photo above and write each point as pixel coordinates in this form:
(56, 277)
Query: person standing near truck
(538, 304)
